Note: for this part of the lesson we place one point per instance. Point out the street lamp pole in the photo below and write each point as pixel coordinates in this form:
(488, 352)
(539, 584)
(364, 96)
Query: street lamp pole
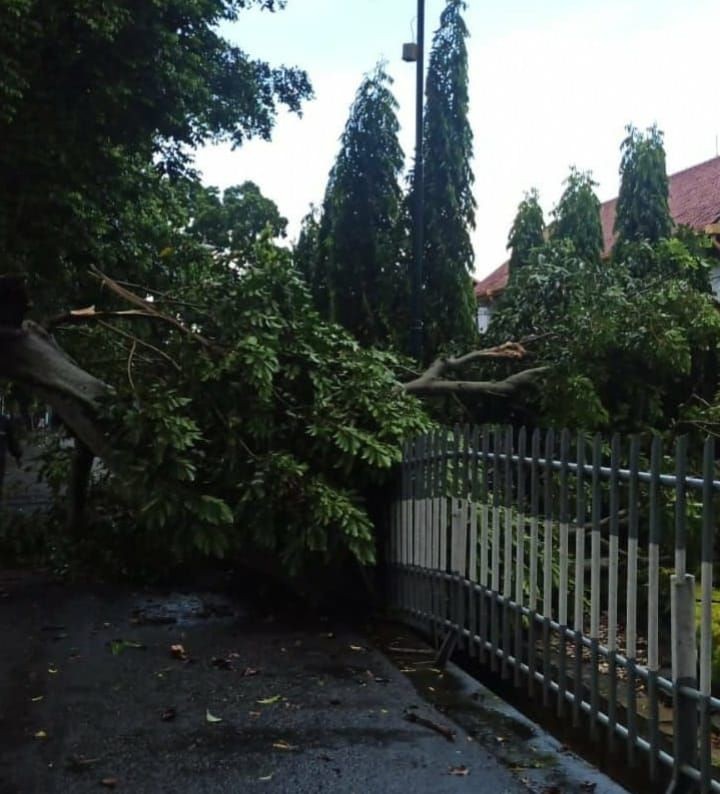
(416, 326)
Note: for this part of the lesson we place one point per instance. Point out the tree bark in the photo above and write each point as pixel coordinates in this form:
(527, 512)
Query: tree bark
(29, 355)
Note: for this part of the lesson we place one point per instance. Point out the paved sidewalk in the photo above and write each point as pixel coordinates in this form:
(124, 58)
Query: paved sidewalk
(93, 694)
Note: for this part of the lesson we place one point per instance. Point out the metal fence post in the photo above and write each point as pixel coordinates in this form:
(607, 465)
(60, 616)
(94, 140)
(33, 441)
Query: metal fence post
(684, 665)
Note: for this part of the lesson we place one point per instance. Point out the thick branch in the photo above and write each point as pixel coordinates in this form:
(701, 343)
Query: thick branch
(431, 383)
(441, 365)
(31, 356)
(435, 387)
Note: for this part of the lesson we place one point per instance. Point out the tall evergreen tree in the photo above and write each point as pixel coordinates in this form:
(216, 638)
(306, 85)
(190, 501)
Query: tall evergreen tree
(449, 217)
(306, 257)
(643, 212)
(528, 230)
(577, 216)
(360, 232)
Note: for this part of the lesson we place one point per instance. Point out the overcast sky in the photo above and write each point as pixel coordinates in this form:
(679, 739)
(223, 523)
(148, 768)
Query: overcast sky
(552, 84)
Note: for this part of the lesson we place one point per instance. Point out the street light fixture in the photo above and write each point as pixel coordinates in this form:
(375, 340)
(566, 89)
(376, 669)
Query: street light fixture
(414, 52)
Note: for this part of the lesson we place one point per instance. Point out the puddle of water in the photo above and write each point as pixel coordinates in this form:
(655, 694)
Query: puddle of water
(183, 609)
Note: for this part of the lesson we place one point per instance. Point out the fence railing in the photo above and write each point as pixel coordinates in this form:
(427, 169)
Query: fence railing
(569, 564)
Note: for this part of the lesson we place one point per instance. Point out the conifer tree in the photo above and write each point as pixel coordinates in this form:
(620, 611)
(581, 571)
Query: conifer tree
(358, 272)
(577, 216)
(449, 214)
(643, 212)
(528, 230)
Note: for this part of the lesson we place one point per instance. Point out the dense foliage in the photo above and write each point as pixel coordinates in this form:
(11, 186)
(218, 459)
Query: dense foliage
(100, 105)
(630, 340)
(264, 443)
(235, 221)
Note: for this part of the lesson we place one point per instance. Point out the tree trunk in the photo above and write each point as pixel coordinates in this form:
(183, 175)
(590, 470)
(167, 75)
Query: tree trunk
(77, 493)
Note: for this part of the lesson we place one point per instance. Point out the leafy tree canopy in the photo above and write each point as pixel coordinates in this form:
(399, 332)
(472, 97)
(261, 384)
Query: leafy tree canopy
(235, 221)
(243, 427)
(100, 101)
(626, 352)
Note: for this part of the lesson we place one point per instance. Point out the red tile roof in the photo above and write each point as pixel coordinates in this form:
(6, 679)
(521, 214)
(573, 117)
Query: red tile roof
(694, 201)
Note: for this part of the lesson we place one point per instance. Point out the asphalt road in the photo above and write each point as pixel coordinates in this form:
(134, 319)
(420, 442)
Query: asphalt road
(93, 696)
(301, 705)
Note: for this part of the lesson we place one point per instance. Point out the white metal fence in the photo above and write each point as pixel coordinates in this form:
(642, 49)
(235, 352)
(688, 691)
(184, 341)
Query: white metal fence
(570, 565)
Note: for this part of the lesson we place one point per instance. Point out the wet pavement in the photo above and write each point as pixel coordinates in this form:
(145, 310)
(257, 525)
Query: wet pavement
(161, 691)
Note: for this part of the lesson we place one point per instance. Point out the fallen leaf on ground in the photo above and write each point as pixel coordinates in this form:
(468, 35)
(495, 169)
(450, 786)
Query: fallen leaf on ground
(118, 646)
(178, 652)
(109, 782)
(169, 714)
(40, 735)
(269, 701)
(460, 771)
(210, 718)
(77, 763)
(283, 745)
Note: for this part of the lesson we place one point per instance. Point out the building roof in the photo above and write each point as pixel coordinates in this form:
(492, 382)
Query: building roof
(694, 198)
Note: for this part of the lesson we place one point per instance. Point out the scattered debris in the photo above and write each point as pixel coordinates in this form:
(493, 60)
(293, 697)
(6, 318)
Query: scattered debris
(79, 763)
(281, 744)
(266, 778)
(460, 771)
(249, 671)
(357, 648)
(109, 782)
(210, 717)
(37, 699)
(40, 735)
(269, 701)
(168, 714)
(118, 646)
(222, 663)
(443, 730)
(177, 651)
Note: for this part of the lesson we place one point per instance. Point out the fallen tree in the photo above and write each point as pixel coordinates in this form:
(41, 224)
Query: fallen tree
(232, 416)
